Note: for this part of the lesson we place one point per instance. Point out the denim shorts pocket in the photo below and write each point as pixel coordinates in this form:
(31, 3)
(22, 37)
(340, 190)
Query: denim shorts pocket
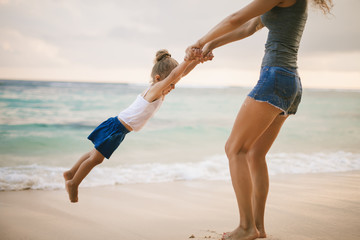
(285, 84)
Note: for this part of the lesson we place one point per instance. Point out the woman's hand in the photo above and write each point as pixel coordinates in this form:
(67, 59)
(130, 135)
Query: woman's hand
(206, 57)
(207, 51)
(193, 52)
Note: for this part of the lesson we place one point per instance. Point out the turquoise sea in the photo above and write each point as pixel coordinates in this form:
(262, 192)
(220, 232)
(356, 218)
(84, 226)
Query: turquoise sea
(44, 128)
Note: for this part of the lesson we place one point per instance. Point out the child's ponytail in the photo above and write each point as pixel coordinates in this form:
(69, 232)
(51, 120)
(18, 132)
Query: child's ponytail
(163, 65)
(161, 54)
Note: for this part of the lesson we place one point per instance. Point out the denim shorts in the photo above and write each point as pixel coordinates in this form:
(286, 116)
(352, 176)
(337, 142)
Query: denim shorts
(280, 87)
(108, 136)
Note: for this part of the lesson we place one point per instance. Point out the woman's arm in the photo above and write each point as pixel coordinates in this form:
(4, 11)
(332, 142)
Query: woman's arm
(235, 20)
(244, 31)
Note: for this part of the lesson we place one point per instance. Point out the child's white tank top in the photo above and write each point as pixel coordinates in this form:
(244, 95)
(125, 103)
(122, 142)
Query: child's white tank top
(139, 112)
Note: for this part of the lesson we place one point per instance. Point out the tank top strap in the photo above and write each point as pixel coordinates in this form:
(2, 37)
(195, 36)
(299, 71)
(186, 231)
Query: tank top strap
(146, 91)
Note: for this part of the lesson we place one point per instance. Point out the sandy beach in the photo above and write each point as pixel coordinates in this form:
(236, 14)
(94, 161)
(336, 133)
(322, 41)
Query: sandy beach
(311, 206)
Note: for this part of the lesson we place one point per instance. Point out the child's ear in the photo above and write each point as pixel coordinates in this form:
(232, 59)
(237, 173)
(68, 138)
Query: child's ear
(157, 78)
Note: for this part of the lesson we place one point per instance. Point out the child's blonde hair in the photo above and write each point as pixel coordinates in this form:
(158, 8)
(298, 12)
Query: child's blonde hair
(163, 65)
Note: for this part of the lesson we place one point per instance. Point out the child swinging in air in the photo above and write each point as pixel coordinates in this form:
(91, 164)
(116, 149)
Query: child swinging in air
(108, 135)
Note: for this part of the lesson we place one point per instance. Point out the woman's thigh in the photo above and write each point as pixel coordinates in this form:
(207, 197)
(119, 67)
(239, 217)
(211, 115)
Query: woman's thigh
(263, 144)
(253, 119)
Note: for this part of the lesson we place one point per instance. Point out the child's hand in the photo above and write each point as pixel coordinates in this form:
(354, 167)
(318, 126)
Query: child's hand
(168, 89)
(193, 53)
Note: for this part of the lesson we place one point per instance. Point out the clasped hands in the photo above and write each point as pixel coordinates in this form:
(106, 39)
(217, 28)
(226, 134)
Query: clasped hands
(196, 53)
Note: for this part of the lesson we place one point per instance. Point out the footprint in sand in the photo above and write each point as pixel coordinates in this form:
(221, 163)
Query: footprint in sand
(208, 234)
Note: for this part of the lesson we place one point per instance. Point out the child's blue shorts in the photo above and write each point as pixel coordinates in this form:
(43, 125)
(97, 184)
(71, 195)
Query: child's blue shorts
(108, 136)
(281, 87)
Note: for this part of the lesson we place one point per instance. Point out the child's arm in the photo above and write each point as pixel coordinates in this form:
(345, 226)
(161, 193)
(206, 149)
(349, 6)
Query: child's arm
(168, 83)
(190, 67)
(156, 91)
(208, 57)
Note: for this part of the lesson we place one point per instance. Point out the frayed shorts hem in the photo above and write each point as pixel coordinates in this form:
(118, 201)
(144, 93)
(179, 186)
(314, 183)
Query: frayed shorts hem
(283, 112)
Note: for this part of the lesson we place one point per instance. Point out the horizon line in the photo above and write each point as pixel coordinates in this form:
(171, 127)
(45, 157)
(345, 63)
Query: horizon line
(179, 86)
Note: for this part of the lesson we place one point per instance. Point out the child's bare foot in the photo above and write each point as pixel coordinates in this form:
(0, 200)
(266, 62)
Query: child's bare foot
(241, 234)
(72, 191)
(68, 175)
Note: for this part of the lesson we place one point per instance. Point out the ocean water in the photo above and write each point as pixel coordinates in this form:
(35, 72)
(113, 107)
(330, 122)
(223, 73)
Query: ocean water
(44, 128)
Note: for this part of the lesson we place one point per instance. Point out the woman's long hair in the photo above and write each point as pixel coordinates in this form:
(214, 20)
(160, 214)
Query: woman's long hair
(324, 5)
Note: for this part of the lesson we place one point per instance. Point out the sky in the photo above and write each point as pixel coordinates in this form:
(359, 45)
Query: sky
(116, 41)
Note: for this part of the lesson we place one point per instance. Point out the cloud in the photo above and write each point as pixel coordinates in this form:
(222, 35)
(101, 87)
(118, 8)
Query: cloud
(333, 33)
(18, 50)
(134, 32)
(125, 34)
(330, 61)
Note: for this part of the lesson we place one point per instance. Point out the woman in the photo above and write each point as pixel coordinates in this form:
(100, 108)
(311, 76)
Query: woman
(264, 111)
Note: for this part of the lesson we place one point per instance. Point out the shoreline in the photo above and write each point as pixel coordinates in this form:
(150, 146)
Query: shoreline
(299, 207)
(248, 87)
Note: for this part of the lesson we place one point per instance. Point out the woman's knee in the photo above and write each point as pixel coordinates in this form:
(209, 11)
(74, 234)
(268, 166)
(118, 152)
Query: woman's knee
(233, 150)
(228, 148)
(255, 157)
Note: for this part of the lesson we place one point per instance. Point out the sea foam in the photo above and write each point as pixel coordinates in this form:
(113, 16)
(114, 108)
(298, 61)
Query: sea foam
(212, 168)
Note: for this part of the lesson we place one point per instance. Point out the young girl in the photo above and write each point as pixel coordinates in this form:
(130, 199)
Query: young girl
(108, 135)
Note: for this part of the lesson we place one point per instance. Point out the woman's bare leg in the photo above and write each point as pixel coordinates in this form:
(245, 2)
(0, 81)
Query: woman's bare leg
(251, 122)
(83, 170)
(259, 171)
(68, 175)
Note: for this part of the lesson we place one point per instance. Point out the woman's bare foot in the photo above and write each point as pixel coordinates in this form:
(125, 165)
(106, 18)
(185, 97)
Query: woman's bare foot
(68, 175)
(262, 233)
(241, 234)
(72, 191)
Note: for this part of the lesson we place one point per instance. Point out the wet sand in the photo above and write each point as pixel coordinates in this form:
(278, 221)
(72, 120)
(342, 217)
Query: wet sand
(310, 206)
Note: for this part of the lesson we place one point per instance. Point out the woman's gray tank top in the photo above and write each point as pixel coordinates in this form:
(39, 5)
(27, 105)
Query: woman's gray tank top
(286, 25)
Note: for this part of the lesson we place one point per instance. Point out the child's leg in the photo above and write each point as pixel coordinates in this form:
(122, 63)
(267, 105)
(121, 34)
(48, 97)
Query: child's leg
(83, 170)
(70, 173)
